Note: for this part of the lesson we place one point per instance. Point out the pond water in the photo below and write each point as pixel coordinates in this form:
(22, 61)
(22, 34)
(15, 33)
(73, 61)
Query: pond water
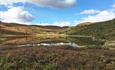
(36, 42)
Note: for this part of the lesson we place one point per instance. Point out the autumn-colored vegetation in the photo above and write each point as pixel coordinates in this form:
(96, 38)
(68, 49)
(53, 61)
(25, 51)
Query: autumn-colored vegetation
(20, 29)
(57, 58)
(95, 56)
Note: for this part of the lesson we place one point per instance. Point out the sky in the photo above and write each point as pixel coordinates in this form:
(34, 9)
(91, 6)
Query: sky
(56, 12)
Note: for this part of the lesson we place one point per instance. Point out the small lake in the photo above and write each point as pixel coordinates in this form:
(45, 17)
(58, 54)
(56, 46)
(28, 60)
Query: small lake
(37, 42)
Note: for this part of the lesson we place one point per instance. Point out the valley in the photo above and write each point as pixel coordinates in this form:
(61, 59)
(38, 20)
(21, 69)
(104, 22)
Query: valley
(31, 47)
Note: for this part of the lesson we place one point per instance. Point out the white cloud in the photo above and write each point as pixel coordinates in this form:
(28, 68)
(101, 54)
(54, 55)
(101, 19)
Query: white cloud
(16, 14)
(90, 11)
(54, 3)
(113, 6)
(10, 2)
(62, 23)
(100, 17)
(44, 3)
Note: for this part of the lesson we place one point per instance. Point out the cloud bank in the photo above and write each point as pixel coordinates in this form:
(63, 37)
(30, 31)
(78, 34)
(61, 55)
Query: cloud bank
(16, 14)
(43, 3)
(61, 24)
(99, 17)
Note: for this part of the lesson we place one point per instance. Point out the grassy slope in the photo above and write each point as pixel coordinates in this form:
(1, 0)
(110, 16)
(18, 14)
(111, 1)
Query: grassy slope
(103, 30)
(13, 28)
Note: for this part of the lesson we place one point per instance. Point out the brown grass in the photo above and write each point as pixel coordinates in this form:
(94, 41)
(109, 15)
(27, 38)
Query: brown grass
(58, 58)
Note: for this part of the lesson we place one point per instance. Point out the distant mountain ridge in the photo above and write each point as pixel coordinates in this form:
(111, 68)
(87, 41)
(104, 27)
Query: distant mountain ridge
(14, 28)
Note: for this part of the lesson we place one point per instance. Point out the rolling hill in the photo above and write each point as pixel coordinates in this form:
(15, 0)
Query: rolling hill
(99, 30)
(21, 29)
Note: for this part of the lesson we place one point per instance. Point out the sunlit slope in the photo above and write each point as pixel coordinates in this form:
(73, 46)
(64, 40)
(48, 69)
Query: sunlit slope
(101, 30)
(14, 28)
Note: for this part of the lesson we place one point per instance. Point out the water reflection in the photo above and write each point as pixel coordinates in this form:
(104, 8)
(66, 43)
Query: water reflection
(50, 44)
(31, 42)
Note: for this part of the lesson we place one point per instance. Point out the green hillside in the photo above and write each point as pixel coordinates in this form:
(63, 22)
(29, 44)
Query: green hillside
(100, 30)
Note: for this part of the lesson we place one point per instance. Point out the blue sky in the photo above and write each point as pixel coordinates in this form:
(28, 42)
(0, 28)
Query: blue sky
(56, 12)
